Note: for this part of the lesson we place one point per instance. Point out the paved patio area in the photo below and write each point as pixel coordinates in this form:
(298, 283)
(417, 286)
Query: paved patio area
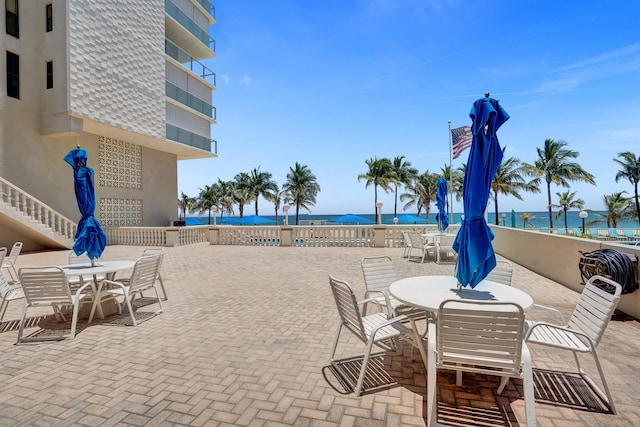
(245, 340)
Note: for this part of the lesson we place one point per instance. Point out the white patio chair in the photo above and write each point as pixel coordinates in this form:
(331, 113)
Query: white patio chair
(82, 259)
(379, 329)
(418, 242)
(48, 287)
(502, 273)
(152, 251)
(584, 330)
(379, 273)
(407, 245)
(10, 261)
(480, 337)
(143, 278)
(9, 291)
(444, 245)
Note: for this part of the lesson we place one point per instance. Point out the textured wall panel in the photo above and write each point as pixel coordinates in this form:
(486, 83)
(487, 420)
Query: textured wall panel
(117, 64)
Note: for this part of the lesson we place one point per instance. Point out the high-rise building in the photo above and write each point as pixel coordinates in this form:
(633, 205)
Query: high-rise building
(126, 81)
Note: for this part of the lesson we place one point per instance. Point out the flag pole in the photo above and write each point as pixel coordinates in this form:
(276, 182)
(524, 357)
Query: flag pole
(450, 175)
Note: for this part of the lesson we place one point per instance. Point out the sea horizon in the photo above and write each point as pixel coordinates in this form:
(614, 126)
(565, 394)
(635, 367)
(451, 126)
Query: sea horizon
(538, 219)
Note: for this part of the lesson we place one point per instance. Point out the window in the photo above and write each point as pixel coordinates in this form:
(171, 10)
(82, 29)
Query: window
(12, 22)
(13, 75)
(49, 14)
(49, 74)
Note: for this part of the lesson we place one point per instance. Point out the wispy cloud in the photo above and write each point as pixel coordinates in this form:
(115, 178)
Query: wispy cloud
(246, 81)
(605, 57)
(225, 78)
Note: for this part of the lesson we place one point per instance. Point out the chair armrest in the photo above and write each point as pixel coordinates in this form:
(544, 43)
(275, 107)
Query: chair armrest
(560, 328)
(554, 310)
(368, 300)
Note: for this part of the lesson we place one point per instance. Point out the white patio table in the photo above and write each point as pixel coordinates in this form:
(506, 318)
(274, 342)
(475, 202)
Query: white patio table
(428, 292)
(106, 269)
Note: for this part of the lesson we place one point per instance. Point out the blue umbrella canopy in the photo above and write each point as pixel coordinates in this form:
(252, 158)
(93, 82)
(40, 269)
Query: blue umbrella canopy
(408, 219)
(251, 220)
(473, 242)
(513, 218)
(441, 199)
(351, 219)
(89, 236)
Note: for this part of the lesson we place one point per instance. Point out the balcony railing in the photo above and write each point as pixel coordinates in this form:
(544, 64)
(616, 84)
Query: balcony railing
(191, 101)
(208, 7)
(175, 133)
(189, 62)
(190, 25)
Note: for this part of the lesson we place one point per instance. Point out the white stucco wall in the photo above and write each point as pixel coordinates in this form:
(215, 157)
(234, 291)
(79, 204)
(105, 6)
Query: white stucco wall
(117, 64)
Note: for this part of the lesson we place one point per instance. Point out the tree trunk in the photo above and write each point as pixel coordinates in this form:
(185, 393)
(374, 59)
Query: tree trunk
(549, 205)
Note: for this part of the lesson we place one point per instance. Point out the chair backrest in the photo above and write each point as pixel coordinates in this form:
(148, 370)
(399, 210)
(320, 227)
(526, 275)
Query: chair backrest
(145, 272)
(417, 241)
(486, 335)
(5, 286)
(15, 251)
(379, 272)
(3, 253)
(446, 241)
(45, 286)
(152, 251)
(502, 273)
(595, 307)
(406, 238)
(347, 307)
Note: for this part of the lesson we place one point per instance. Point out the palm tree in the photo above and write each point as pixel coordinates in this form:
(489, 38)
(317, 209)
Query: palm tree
(405, 174)
(185, 203)
(301, 187)
(276, 197)
(227, 196)
(207, 199)
(526, 219)
(421, 192)
(618, 207)
(555, 165)
(454, 179)
(242, 191)
(380, 174)
(631, 171)
(260, 184)
(566, 202)
(509, 181)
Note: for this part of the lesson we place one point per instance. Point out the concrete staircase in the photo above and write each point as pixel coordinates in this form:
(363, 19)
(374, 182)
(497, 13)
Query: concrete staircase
(28, 219)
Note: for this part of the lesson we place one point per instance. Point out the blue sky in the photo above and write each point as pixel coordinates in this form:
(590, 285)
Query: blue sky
(333, 83)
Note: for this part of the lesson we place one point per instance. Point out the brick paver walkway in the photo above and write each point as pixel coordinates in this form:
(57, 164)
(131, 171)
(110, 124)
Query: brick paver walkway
(245, 340)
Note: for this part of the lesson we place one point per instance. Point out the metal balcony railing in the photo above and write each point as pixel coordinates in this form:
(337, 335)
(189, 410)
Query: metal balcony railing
(184, 136)
(190, 100)
(202, 35)
(208, 7)
(189, 62)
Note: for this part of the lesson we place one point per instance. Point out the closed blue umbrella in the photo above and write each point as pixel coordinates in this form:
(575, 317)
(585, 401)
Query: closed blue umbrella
(351, 219)
(441, 197)
(473, 242)
(513, 218)
(89, 236)
(407, 219)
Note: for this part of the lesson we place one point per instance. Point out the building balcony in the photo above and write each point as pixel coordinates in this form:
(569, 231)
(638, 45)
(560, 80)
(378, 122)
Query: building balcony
(191, 101)
(178, 19)
(189, 62)
(206, 4)
(186, 137)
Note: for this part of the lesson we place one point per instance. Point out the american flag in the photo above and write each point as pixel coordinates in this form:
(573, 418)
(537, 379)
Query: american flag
(461, 140)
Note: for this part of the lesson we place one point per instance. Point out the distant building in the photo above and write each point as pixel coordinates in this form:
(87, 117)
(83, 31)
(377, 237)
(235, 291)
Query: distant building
(123, 80)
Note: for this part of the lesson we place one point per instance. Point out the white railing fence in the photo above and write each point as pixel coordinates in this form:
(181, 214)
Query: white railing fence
(389, 236)
(13, 197)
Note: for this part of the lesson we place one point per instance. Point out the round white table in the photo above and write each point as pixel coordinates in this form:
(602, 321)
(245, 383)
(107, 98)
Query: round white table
(100, 268)
(428, 292)
(105, 269)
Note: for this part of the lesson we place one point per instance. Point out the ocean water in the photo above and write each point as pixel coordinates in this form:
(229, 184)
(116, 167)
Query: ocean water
(538, 219)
